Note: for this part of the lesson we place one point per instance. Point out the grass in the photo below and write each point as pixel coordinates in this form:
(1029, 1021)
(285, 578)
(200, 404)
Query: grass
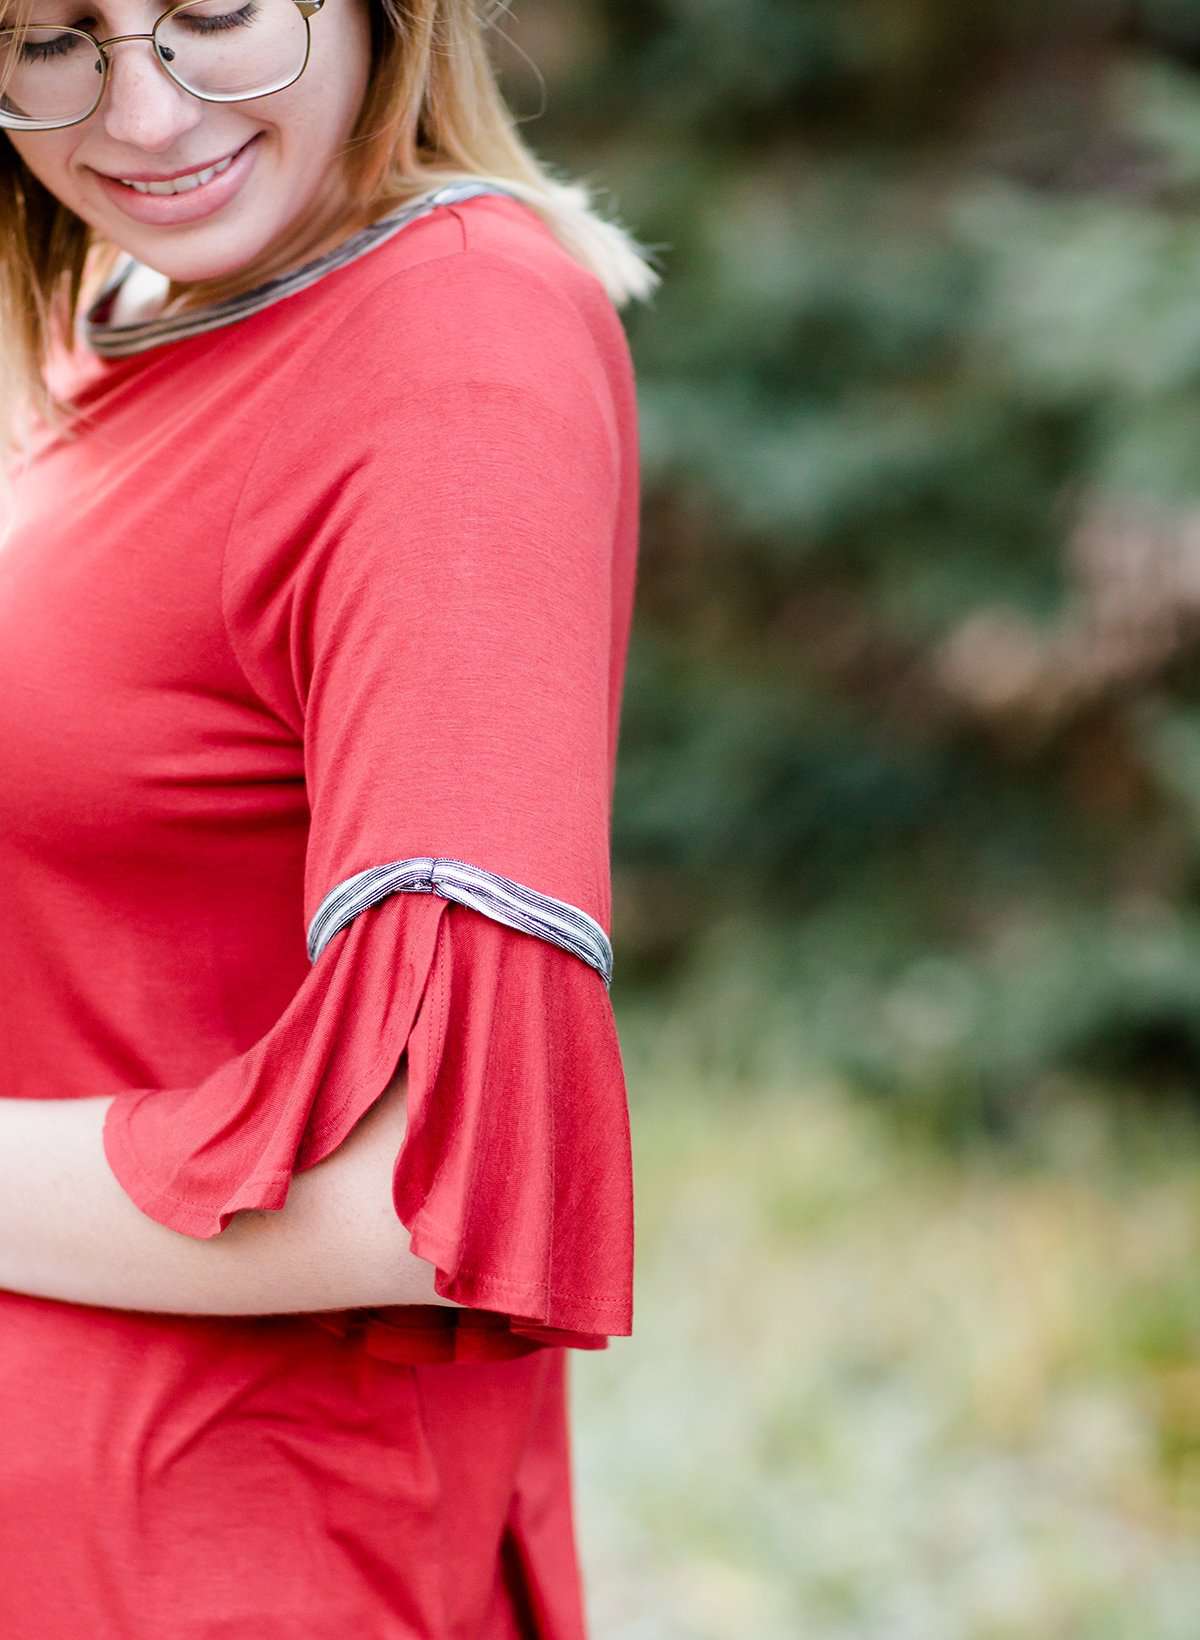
(879, 1389)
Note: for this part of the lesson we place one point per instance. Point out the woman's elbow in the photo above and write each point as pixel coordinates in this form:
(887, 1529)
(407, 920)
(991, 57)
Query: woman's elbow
(337, 1243)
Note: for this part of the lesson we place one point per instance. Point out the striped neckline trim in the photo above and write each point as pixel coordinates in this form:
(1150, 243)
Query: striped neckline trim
(116, 341)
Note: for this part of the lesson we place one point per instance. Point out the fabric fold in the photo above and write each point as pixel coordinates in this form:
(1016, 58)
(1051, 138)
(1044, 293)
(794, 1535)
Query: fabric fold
(514, 1178)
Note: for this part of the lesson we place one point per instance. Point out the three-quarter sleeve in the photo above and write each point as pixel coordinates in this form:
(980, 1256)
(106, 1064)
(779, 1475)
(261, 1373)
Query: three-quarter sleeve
(426, 584)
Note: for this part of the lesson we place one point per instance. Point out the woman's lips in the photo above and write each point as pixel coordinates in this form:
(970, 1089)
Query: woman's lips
(165, 210)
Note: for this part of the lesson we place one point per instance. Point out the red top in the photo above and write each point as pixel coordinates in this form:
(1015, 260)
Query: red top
(340, 586)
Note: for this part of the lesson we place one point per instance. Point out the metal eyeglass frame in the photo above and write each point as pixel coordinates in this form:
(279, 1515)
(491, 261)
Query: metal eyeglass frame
(10, 122)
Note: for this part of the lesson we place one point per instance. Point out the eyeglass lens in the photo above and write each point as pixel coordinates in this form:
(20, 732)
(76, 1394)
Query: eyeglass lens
(212, 49)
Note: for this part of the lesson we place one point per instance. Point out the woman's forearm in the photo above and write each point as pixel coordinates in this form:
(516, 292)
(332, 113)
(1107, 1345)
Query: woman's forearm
(68, 1230)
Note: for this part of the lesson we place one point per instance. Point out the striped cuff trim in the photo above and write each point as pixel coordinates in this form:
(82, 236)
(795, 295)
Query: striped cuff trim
(484, 891)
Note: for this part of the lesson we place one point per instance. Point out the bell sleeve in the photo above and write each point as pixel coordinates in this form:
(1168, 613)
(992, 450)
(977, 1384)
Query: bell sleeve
(427, 585)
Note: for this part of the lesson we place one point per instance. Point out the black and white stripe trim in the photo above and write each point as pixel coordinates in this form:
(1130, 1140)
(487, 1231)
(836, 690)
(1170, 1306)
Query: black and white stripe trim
(115, 341)
(485, 891)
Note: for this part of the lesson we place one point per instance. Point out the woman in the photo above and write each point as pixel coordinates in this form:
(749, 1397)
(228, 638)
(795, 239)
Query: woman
(314, 605)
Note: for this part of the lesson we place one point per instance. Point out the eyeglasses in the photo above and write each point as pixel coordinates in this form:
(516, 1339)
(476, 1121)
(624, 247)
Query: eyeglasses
(53, 76)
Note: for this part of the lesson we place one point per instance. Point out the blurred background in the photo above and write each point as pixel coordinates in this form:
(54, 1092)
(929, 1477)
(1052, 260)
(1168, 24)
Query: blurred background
(908, 819)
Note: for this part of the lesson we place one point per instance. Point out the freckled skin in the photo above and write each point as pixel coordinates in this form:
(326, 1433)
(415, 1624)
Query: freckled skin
(291, 205)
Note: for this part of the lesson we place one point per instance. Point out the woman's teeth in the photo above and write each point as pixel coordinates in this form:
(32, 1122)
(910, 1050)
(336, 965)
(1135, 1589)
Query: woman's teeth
(182, 185)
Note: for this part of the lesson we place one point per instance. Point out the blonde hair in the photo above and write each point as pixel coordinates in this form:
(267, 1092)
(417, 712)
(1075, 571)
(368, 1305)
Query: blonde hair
(433, 114)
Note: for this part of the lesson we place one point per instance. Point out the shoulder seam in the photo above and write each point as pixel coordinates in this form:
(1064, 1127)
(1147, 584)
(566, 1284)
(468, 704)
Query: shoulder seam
(462, 227)
(397, 275)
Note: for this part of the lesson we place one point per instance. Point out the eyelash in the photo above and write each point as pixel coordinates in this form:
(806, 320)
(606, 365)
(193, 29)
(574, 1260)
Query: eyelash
(227, 19)
(202, 25)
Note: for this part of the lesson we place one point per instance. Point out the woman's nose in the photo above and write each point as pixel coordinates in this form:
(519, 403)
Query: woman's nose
(143, 107)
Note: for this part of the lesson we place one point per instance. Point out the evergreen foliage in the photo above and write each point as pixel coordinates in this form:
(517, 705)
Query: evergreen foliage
(911, 755)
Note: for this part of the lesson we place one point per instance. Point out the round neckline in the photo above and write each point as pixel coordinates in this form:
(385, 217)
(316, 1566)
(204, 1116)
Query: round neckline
(113, 340)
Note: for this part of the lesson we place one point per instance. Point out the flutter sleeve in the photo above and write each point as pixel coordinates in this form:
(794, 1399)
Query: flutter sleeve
(427, 581)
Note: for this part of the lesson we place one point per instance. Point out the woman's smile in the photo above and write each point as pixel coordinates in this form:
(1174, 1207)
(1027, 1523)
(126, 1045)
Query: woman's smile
(189, 198)
(281, 192)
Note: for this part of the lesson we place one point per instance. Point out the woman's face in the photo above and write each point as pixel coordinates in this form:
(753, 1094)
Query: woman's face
(276, 200)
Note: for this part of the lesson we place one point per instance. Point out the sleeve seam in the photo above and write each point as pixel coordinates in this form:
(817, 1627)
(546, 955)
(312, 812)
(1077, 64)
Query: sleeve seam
(397, 276)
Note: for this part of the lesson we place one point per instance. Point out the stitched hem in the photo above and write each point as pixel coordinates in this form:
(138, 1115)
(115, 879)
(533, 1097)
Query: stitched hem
(266, 1191)
(540, 1305)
